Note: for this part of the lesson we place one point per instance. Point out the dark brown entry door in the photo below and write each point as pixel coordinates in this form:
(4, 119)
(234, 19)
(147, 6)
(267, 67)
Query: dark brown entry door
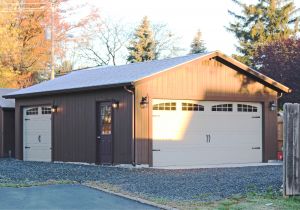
(104, 133)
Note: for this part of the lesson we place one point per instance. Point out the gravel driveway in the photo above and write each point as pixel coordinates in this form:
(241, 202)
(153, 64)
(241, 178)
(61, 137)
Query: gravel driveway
(188, 184)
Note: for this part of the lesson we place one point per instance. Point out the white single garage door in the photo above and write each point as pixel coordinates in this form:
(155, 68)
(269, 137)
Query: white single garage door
(37, 133)
(195, 133)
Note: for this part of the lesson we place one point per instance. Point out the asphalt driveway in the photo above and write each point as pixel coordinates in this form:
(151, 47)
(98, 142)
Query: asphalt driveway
(183, 184)
(64, 197)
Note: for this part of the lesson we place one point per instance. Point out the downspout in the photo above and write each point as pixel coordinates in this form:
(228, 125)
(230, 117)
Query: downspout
(133, 116)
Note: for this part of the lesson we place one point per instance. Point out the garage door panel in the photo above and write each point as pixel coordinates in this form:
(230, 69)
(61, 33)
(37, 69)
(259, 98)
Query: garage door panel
(45, 121)
(230, 155)
(232, 123)
(207, 137)
(231, 139)
(38, 148)
(186, 157)
(167, 146)
(37, 154)
(37, 129)
(170, 137)
(38, 123)
(34, 141)
(203, 156)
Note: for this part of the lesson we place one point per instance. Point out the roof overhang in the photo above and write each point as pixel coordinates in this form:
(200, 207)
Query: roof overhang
(255, 74)
(7, 108)
(265, 80)
(47, 93)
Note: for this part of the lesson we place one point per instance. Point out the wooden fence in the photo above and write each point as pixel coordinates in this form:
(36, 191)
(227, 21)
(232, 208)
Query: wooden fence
(291, 157)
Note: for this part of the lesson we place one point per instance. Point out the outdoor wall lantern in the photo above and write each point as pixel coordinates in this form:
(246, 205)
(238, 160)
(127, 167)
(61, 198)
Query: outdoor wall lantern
(54, 108)
(115, 104)
(144, 102)
(273, 106)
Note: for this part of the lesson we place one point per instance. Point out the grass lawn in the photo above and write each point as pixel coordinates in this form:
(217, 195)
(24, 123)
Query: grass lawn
(248, 202)
(245, 202)
(49, 182)
(271, 200)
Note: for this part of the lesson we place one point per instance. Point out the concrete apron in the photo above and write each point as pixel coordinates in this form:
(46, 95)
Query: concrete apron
(236, 165)
(233, 165)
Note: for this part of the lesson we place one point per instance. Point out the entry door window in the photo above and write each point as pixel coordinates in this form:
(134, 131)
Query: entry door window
(106, 120)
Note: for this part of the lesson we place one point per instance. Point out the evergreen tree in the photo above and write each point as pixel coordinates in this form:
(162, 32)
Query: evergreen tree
(260, 23)
(197, 45)
(142, 46)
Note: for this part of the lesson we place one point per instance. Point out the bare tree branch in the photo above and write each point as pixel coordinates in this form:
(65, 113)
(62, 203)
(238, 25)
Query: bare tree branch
(166, 41)
(108, 41)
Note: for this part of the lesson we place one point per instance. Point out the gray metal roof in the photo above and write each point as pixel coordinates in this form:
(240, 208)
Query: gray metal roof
(105, 76)
(6, 103)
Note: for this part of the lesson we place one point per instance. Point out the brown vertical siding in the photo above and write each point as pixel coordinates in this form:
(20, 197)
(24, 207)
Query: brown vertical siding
(1, 134)
(74, 125)
(208, 80)
(7, 132)
(271, 134)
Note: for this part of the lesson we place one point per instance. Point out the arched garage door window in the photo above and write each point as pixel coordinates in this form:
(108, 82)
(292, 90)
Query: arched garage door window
(46, 110)
(192, 107)
(246, 108)
(32, 111)
(222, 108)
(169, 106)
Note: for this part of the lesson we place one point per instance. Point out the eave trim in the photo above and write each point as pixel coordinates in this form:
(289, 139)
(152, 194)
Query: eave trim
(46, 93)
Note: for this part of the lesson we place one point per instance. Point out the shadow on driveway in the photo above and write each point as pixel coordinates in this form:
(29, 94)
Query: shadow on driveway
(64, 197)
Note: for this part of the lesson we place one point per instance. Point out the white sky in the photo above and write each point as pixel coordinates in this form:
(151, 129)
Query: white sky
(184, 18)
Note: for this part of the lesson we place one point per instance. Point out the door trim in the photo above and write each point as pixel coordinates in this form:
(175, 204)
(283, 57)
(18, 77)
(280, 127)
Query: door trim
(98, 156)
(20, 141)
(21, 117)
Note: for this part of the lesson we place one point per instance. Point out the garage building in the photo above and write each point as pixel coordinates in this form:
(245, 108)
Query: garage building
(187, 111)
(7, 124)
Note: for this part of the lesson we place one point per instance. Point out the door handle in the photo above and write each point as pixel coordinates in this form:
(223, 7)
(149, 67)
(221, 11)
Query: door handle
(27, 147)
(98, 137)
(39, 138)
(207, 138)
(255, 147)
(156, 150)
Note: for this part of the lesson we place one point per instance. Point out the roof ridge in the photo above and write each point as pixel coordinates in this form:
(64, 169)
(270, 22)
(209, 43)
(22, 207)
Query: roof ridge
(139, 63)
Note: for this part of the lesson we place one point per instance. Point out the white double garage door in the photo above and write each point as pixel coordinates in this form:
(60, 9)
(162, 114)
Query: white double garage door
(195, 133)
(37, 133)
